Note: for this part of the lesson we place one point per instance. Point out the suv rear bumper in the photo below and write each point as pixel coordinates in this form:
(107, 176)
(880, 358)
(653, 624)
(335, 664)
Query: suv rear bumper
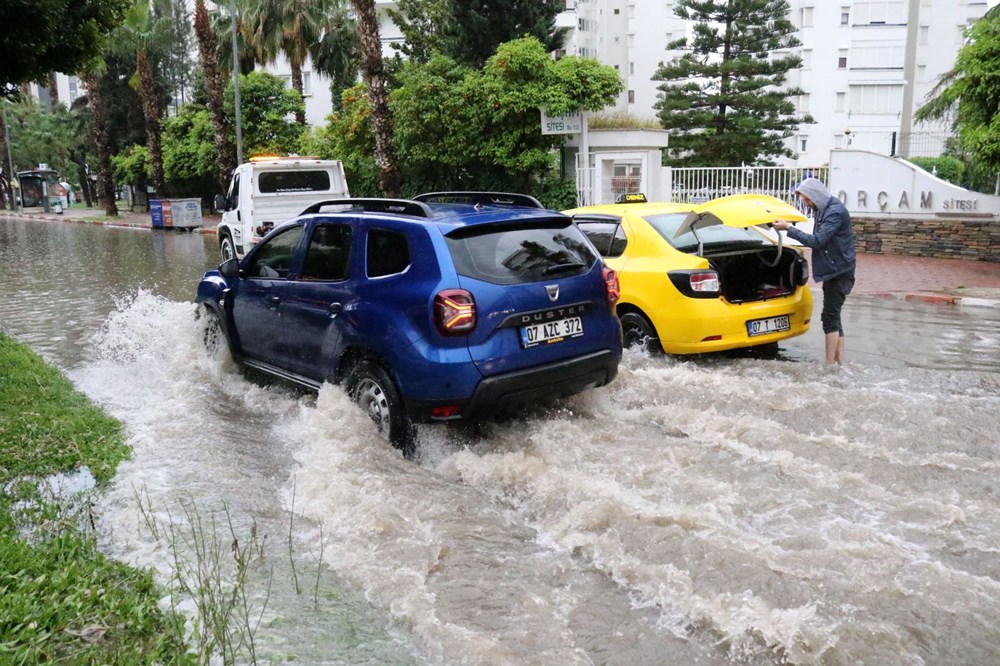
(508, 392)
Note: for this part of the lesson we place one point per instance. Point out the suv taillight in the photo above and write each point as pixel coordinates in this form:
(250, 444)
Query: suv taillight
(454, 312)
(611, 285)
(707, 282)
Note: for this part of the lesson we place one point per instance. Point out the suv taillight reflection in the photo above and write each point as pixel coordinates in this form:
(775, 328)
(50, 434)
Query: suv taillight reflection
(611, 285)
(454, 312)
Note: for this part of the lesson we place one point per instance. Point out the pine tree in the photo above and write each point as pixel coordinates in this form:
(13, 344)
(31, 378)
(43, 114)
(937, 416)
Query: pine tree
(722, 98)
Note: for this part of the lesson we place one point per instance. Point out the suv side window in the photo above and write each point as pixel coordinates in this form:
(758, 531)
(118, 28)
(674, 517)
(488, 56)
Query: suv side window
(273, 258)
(329, 253)
(607, 235)
(388, 252)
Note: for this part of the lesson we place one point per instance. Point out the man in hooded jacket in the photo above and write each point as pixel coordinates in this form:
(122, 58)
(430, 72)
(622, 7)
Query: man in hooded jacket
(833, 257)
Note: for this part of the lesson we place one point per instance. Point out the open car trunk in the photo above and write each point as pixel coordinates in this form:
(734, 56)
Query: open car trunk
(748, 275)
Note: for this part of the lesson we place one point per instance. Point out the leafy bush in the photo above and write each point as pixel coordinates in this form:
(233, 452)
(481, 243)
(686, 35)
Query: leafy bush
(946, 168)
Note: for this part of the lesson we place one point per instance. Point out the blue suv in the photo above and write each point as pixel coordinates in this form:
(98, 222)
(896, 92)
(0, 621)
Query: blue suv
(450, 306)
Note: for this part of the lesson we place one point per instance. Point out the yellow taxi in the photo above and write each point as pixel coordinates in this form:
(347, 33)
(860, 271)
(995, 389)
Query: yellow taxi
(702, 277)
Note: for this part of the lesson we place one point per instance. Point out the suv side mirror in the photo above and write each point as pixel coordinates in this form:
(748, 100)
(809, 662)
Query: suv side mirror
(220, 202)
(230, 268)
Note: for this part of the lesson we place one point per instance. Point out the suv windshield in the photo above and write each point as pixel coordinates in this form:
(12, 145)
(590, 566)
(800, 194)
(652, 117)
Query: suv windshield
(516, 254)
(715, 237)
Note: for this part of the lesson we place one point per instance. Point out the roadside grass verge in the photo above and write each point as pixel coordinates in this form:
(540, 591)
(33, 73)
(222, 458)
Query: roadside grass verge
(62, 600)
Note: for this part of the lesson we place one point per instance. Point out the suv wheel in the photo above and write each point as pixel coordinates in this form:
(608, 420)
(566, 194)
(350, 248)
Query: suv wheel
(227, 247)
(637, 331)
(212, 334)
(372, 388)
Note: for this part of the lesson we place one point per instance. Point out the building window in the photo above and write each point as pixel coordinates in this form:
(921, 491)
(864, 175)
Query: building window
(845, 16)
(803, 144)
(884, 56)
(842, 59)
(887, 12)
(807, 58)
(841, 101)
(617, 11)
(803, 103)
(631, 97)
(876, 99)
(807, 17)
(925, 33)
(631, 68)
(922, 73)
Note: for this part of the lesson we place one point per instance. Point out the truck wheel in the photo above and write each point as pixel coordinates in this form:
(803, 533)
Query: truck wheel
(637, 331)
(370, 386)
(227, 247)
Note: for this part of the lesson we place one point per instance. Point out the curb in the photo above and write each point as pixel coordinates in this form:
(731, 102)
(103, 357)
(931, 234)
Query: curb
(103, 223)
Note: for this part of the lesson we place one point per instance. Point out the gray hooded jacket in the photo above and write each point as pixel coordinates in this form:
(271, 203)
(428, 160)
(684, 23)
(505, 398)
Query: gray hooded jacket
(832, 240)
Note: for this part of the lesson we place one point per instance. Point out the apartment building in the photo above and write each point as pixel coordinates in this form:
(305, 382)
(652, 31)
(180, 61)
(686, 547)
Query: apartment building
(866, 66)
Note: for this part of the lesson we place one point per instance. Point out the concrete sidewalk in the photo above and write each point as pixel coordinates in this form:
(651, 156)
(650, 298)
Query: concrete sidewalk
(946, 281)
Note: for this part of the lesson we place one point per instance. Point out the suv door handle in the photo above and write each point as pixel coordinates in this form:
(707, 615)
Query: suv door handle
(335, 309)
(272, 300)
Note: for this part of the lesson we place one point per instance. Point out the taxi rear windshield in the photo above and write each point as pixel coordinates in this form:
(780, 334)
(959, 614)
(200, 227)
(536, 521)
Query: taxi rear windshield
(273, 182)
(714, 237)
(516, 254)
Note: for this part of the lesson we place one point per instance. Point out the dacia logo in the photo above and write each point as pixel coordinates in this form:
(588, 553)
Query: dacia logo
(553, 291)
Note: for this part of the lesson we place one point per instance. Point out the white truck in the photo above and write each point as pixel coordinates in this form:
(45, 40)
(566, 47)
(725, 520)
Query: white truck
(269, 190)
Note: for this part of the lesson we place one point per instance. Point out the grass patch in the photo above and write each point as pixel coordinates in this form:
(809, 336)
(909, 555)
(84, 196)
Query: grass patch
(61, 599)
(622, 120)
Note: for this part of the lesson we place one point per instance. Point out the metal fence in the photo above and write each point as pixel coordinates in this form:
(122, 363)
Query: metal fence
(919, 144)
(699, 184)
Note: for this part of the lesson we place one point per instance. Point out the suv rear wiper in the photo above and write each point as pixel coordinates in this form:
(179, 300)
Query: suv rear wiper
(559, 268)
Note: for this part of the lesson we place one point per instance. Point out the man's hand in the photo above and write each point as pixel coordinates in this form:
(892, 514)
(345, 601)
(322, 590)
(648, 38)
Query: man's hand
(781, 225)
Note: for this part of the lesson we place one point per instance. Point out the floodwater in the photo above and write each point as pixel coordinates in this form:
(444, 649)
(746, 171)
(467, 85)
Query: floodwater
(698, 511)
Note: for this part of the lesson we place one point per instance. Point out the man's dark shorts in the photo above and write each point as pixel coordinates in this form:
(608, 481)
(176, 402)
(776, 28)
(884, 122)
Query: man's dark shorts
(835, 291)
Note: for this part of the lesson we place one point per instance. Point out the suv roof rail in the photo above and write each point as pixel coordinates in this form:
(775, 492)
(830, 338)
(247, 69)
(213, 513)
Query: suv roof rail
(398, 206)
(493, 198)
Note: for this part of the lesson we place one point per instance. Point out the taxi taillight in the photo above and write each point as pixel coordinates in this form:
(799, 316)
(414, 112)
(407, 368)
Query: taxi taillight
(705, 282)
(454, 312)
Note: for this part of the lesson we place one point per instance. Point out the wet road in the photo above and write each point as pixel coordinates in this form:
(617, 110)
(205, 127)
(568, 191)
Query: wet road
(713, 510)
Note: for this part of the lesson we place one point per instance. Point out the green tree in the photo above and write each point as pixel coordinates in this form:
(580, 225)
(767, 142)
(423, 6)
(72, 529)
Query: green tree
(722, 98)
(469, 31)
(373, 74)
(293, 28)
(967, 94)
(266, 104)
(38, 136)
(463, 128)
(43, 36)
(215, 93)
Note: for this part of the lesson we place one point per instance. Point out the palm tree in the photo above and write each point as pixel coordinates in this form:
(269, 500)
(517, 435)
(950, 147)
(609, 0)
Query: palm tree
(292, 28)
(373, 73)
(101, 135)
(225, 151)
(146, 30)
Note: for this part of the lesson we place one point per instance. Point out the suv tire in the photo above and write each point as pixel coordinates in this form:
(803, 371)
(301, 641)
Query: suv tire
(370, 386)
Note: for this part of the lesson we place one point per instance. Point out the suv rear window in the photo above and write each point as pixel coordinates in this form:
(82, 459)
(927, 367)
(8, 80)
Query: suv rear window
(516, 254)
(271, 182)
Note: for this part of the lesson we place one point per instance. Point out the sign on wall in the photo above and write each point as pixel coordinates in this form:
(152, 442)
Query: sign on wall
(569, 123)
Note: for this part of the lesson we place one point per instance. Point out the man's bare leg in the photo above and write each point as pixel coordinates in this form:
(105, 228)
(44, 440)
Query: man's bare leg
(832, 345)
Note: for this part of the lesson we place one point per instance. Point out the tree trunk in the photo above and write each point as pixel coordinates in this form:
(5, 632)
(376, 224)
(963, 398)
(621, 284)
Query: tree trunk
(151, 114)
(8, 167)
(300, 114)
(101, 134)
(225, 151)
(53, 92)
(373, 73)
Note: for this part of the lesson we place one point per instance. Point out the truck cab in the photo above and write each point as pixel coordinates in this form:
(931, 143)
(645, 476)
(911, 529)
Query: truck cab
(269, 190)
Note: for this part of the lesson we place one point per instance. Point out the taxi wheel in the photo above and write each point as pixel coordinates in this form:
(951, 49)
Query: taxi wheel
(637, 331)
(370, 386)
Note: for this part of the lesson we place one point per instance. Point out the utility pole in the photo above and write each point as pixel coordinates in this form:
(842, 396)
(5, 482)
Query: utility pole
(236, 86)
